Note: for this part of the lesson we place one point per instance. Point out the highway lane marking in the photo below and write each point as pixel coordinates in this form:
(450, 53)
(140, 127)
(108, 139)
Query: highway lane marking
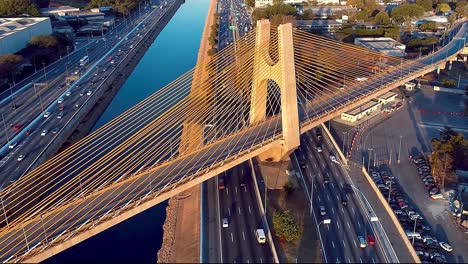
(229, 211)
(315, 165)
(349, 260)
(243, 235)
(236, 189)
(359, 224)
(349, 227)
(342, 209)
(245, 189)
(239, 211)
(232, 238)
(333, 211)
(355, 243)
(261, 260)
(352, 208)
(328, 196)
(318, 198)
(328, 226)
(344, 244)
(373, 260)
(227, 191)
(337, 197)
(338, 225)
(333, 244)
(250, 211)
(360, 259)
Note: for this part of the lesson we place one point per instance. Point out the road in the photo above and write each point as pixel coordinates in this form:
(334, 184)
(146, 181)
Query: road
(117, 196)
(31, 146)
(347, 222)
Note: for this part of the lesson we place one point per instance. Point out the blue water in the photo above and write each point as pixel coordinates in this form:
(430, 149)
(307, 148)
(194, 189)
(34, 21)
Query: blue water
(174, 52)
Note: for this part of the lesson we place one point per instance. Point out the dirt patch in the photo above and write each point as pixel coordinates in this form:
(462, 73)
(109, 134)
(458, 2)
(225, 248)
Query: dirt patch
(307, 248)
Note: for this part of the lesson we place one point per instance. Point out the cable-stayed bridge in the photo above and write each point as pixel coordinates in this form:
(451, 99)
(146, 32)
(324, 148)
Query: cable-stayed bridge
(253, 98)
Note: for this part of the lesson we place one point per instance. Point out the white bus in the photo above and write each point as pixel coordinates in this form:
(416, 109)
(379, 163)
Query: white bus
(84, 60)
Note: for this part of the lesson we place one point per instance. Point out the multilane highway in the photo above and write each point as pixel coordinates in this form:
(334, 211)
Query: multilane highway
(183, 168)
(42, 133)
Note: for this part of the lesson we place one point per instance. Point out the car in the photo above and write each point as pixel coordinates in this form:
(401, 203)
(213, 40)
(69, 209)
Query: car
(28, 132)
(344, 199)
(55, 130)
(445, 246)
(370, 240)
(112, 61)
(260, 235)
(82, 93)
(434, 191)
(221, 185)
(60, 115)
(17, 127)
(319, 149)
(95, 74)
(322, 210)
(47, 114)
(60, 100)
(89, 92)
(362, 242)
(333, 158)
(76, 106)
(61, 108)
(20, 157)
(13, 145)
(68, 93)
(225, 222)
(44, 132)
(76, 72)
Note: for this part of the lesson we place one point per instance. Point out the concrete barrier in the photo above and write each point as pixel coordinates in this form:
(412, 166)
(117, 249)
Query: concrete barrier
(389, 210)
(335, 145)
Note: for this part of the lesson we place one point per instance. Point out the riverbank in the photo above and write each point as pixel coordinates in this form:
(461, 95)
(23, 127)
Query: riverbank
(181, 230)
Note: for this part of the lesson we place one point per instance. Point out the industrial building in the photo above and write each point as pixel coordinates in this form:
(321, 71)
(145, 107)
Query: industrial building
(15, 33)
(384, 45)
(359, 112)
(58, 10)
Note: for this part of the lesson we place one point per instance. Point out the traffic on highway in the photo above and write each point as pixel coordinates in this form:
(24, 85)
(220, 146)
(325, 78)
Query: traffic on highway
(43, 110)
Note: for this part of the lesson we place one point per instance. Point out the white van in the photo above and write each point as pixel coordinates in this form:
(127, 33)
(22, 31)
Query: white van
(411, 234)
(260, 235)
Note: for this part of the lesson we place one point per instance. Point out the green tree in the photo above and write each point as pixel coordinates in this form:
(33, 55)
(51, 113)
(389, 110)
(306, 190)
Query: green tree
(288, 187)
(382, 18)
(251, 3)
(18, 7)
(452, 17)
(44, 41)
(362, 15)
(443, 8)
(425, 4)
(212, 52)
(405, 12)
(428, 26)
(286, 226)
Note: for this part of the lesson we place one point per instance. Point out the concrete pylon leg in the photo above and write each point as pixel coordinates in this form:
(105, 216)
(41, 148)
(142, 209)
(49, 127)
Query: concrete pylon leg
(283, 73)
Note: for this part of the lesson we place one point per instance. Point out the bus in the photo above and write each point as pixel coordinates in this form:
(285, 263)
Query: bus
(84, 60)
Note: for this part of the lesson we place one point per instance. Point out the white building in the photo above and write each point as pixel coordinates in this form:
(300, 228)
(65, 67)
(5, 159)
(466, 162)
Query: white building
(59, 10)
(15, 33)
(386, 98)
(359, 112)
(384, 45)
(319, 25)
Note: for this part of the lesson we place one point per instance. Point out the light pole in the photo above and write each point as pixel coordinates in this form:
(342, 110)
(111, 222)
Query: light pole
(368, 157)
(399, 151)
(344, 141)
(6, 130)
(414, 229)
(40, 98)
(389, 192)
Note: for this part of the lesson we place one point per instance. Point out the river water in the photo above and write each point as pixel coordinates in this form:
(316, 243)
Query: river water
(174, 52)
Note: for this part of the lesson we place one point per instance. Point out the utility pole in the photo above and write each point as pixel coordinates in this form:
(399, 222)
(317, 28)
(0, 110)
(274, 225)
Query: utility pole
(399, 151)
(368, 157)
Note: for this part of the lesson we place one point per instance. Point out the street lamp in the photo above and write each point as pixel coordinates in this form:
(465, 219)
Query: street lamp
(368, 157)
(399, 151)
(414, 229)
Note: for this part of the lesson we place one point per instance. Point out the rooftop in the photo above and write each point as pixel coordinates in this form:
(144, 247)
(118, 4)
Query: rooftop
(9, 26)
(387, 95)
(58, 9)
(362, 108)
(387, 46)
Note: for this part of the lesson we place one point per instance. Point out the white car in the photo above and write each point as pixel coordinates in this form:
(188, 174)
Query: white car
(46, 114)
(225, 222)
(12, 145)
(445, 246)
(319, 149)
(68, 93)
(332, 158)
(89, 92)
(20, 157)
(44, 132)
(60, 100)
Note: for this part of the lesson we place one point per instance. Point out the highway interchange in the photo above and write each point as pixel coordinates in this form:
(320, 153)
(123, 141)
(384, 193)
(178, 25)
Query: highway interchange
(30, 138)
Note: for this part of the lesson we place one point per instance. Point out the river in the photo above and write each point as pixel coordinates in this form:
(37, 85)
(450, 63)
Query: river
(174, 52)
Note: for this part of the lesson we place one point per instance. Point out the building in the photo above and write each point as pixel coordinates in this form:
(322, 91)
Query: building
(318, 25)
(84, 15)
(359, 112)
(263, 3)
(58, 10)
(386, 98)
(409, 86)
(384, 45)
(15, 33)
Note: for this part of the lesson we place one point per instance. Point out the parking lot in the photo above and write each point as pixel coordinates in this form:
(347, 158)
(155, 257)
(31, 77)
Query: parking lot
(408, 133)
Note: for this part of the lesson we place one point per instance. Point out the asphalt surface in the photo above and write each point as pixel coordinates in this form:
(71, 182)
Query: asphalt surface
(32, 145)
(340, 238)
(56, 222)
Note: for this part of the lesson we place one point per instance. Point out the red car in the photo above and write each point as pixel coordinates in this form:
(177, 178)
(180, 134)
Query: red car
(17, 127)
(28, 132)
(61, 107)
(370, 240)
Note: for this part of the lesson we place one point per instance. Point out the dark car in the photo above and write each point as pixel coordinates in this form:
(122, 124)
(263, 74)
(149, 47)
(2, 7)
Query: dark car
(17, 127)
(344, 199)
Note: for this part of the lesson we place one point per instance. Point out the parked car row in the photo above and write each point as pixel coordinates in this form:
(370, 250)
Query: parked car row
(428, 248)
(424, 171)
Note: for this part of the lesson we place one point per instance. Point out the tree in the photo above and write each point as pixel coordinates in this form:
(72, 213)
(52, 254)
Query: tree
(452, 17)
(251, 3)
(425, 4)
(443, 8)
(18, 7)
(288, 187)
(362, 15)
(285, 226)
(43, 41)
(428, 26)
(382, 18)
(462, 8)
(405, 12)
(9, 64)
(212, 52)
